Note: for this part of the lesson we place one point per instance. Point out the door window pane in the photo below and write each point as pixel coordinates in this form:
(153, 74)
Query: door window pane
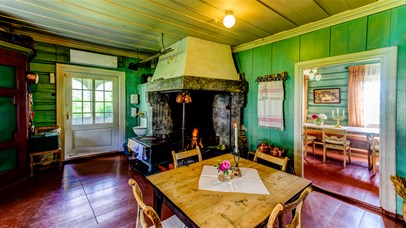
(108, 117)
(99, 96)
(108, 106)
(87, 107)
(99, 107)
(99, 117)
(76, 83)
(77, 107)
(87, 118)
(87, 95)
(108, 96)
(92, 105)
(108, 86)
(76, 119)
(76, 95)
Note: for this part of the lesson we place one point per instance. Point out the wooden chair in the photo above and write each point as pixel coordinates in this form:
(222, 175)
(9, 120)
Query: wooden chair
(296, 208)
(334, 138)
(144, 210)
(186, 154)
(373, 150)
(282, 162)
(308, 140)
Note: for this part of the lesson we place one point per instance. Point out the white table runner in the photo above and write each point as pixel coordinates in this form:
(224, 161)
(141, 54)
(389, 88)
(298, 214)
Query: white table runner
(249, 182)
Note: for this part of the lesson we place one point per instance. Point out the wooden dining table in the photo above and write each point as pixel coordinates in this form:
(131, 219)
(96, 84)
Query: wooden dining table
(178, 189)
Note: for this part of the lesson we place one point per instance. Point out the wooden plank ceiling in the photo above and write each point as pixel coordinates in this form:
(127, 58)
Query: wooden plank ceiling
(139, 24)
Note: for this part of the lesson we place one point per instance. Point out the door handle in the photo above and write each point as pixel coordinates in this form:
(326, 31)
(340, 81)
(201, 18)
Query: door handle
(67, 115)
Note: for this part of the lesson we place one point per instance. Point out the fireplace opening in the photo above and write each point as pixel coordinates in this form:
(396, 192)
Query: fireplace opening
(198, 115)
(212, 113)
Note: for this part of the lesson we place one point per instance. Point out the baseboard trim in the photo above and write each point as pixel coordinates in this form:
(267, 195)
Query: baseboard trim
(356, 202)
(91, 156)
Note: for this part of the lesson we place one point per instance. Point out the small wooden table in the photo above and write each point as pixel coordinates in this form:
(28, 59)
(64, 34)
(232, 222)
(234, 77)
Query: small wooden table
(368, 132)
(178, 189)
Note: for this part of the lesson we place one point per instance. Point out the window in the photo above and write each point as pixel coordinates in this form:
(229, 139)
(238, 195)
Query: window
(371, 95)
(89, 105)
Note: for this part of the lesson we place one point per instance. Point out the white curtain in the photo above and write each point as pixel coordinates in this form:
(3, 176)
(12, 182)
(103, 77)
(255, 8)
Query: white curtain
(371, 94)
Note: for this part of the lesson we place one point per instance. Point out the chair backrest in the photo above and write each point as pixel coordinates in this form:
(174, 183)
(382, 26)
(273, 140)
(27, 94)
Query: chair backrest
(283, 162)
(305, 133)
(296, 205)
(334, 135)
(143, 209)
(186, 154)
(375, 142)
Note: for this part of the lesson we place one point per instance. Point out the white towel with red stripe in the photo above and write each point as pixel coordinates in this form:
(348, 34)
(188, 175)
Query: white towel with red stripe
(270, 104)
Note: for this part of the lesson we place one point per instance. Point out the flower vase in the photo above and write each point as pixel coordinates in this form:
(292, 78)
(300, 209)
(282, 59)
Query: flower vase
(318, 122)
(225, 177)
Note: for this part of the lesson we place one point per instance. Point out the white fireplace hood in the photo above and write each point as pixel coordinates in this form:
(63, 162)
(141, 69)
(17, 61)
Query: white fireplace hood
(197, 58)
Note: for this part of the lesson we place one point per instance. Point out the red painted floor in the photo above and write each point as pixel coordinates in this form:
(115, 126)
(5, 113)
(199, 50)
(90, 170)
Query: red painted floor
(355, 181)
(95, 192)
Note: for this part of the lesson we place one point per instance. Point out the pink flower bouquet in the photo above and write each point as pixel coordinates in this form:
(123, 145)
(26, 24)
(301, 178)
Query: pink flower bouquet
(224, 167)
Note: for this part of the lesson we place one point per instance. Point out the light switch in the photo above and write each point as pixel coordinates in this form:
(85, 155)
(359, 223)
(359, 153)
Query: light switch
(133, 112)
(134, 99)
(52, 78)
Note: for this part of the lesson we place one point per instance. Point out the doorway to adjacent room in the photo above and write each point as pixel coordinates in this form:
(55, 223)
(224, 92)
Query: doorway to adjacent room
(387, 57)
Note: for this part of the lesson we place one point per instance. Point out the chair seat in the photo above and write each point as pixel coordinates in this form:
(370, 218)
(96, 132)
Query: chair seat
(172, 222)
(347, 142)
(309, 138)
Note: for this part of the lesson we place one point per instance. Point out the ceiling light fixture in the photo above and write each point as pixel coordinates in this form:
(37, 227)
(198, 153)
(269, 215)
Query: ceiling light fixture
(313, 73)
(229, 19)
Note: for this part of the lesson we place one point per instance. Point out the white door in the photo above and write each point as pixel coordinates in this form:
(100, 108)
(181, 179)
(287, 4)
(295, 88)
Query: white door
(91, 112)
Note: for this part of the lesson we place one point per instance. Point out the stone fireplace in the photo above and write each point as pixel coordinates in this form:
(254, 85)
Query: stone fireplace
(205, 70)
(216, 105)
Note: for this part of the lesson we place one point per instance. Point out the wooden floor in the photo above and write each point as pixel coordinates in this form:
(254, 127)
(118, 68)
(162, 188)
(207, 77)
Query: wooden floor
(95, 193)
(355, 181)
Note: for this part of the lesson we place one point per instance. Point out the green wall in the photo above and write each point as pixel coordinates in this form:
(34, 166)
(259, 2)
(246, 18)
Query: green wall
(44, 93)
(384, 29)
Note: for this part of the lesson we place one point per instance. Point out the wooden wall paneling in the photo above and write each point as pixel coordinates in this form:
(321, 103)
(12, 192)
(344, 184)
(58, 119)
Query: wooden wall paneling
(339, 34)
(133, 79)
(284, 56)
(398, 38)
(379, 30)
(261, 58)
(307, 46)
(42, 67)
(44, 93)
(357, 33)
(315, 45)
(322, 41)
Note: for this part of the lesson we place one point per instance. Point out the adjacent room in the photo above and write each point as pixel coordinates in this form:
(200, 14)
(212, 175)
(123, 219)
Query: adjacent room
(199, 113)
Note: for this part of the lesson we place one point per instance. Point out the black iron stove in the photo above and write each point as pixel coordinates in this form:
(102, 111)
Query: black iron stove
(150, 151)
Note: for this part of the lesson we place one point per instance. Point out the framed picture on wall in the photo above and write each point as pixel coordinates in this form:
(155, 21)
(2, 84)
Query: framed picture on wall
(327, 96)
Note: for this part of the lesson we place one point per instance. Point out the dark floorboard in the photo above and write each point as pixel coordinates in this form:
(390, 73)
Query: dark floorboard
(95, 193)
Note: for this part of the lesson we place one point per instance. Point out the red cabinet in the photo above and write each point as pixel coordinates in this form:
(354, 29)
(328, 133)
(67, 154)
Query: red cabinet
(13, 114)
